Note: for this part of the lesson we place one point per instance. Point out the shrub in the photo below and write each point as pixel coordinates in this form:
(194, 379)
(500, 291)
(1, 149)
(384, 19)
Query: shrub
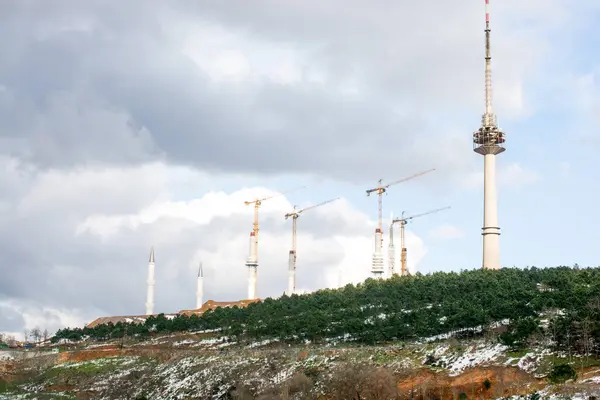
(562, 373)
(487, 384)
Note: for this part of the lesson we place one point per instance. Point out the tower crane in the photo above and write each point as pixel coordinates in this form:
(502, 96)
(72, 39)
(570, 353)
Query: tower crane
(257, 203)
(377, 265)
(252, 260)
(381, 189)
(292, 259)
(403, 221)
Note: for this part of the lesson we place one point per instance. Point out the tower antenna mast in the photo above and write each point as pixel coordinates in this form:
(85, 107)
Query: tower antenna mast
(488, 141)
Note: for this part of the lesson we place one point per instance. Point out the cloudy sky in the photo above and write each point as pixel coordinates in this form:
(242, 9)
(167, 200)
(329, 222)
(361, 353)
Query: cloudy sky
(130, 124)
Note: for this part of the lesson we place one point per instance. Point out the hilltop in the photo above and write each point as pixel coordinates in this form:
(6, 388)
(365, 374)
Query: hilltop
(446, 335)
(400, 309)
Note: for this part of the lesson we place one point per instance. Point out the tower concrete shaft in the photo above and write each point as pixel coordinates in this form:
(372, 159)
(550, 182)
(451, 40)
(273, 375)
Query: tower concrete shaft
(252, 265)
(378, 265)
(391, 251)
(489, 141)
(292, 259)
(200, 288)
(150, 282)
(291, 273)
(491, 231)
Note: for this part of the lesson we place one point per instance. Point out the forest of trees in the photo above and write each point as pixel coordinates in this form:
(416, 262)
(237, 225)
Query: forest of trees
(560, 305)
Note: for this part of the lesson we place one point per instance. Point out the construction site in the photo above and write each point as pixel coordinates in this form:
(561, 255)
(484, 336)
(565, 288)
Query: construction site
(377, 270)
(488, 141)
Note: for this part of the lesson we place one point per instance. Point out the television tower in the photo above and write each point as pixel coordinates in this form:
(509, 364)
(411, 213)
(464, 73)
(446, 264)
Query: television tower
(488, 141)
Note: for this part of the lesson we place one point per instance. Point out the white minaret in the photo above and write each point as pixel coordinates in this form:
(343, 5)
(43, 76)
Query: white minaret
(378, 265)
(199, 287)
(150, 282)
(252, 265)
(489, 141)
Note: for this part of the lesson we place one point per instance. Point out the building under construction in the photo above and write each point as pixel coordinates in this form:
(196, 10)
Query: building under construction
(140, 319)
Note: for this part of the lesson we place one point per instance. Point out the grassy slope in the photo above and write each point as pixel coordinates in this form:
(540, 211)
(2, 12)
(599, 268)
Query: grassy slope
(204, 370)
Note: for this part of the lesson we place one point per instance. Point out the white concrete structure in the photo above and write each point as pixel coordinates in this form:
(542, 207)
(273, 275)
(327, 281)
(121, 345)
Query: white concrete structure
(378, 264)
(150, 282)
(252, 265)
(489, 141)
(291, 273)
(200, 287)
(391, 250)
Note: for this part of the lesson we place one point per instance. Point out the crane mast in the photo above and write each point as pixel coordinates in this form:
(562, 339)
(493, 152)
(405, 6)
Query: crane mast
(252, 260)
(378, 263)
(381, 189)
(391, 249)
(293, 257)
(257, 203)
(403, 221)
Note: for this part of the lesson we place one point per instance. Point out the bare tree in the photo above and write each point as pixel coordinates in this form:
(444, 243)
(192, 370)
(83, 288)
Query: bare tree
(25, 335)
(46, 335)
(359, 382)
(10, 340)
(36, 334)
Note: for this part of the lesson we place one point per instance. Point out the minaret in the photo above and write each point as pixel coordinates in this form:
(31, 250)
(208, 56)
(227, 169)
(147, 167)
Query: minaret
(391, 249)
(489, 141)
(378, 265)
(252, 265)
(150, 282)
(199, 287)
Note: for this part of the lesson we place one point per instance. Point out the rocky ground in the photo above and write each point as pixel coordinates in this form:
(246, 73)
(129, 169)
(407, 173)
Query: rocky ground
(201, 367)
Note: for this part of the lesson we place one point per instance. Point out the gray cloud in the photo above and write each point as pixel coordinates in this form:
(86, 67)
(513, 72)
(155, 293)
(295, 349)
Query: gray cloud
(381, 88)
(112, 85)
(10, 320)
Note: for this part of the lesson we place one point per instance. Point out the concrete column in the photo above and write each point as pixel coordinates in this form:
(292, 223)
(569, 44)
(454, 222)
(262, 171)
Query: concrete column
(491, 230)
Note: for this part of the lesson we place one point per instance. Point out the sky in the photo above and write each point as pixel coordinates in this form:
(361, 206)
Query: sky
(126, 125)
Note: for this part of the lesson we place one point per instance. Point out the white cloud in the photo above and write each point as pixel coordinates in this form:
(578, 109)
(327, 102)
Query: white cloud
(38, 316)
(320, 256)
(94, 227)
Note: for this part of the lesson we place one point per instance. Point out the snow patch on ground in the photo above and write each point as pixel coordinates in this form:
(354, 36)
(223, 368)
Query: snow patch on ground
(260, 344)
(456, 361)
